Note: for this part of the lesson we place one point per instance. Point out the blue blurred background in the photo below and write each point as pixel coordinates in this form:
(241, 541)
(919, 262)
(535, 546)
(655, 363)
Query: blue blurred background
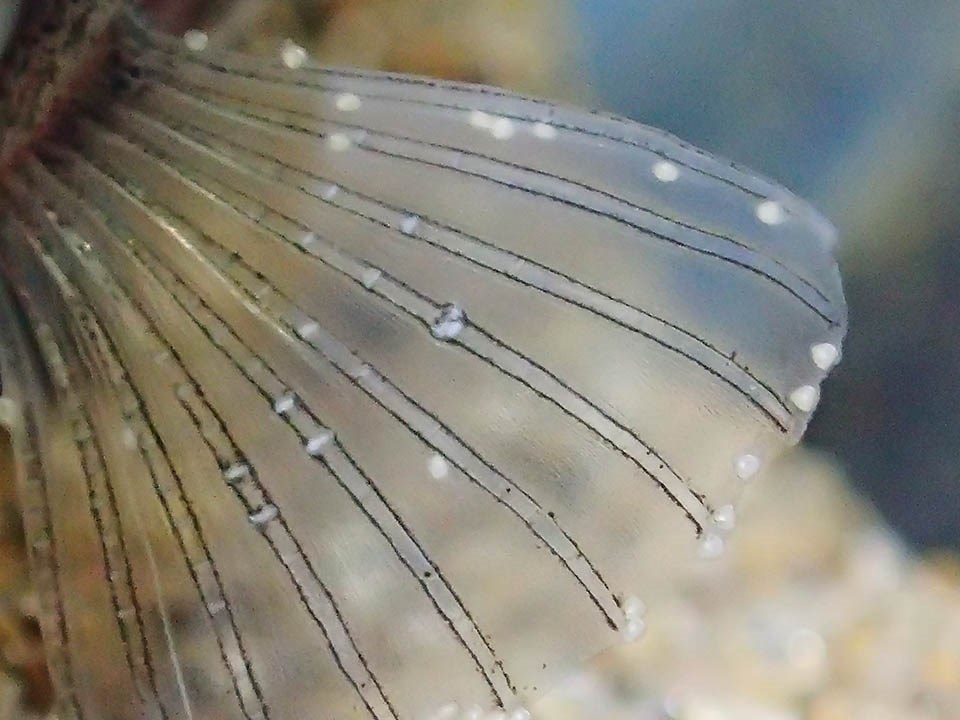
(856, 106)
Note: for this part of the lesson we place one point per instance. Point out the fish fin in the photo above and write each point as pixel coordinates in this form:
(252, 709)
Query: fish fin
(387, 395)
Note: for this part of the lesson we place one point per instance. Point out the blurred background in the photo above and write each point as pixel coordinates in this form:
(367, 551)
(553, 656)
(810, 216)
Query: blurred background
(840, 597)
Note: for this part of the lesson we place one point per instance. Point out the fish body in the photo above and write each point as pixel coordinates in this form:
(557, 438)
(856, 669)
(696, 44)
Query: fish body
(360, 395)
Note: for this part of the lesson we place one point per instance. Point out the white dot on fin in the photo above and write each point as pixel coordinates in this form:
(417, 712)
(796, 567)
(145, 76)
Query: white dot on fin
(711, 547)
(450, 711)
(347, 102)
(725, 517)
(409, 224)
(519, 714)
(129, 438)
(747, 466)
(370, 276)
(665, 171)
(308, 329)
(264, 514)
(338, 142)
(438, 467)
(236, 472)
(449, 323)
(473, 713)
(824, 355)
(293, 55)
(502, 128)
(195, 40)
(633, 607)
(360, 372)
(634, 629)
(330, 193)
(770, 212)
(284, 404)
(544, 131)
(317, 443)
(480, 119)
(805, 398)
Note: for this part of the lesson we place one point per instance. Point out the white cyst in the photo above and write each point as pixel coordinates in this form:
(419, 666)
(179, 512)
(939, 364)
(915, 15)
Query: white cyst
(195, 40)
(747, 466)
(805, 397)
(338, 142)
(293, 55)
(438, 467)
(502, 128)
(347, 102)
(824, 355)
(544, 131)
(666, 171)
(770, 212)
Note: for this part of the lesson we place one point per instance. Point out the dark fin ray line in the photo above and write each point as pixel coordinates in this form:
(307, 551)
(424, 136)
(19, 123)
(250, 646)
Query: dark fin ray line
(199, 109)
(499, 692)
(563, 287)
(93, 467)
(403, 404)
(303, 122)
(37, 508)
(339, 267)
(174, 51)
(302, 595)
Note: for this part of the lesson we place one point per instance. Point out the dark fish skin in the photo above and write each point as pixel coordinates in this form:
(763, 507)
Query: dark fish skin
(57, 52)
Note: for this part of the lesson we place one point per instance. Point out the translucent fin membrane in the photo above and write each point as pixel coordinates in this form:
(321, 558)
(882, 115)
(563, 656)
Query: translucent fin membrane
(382, 397)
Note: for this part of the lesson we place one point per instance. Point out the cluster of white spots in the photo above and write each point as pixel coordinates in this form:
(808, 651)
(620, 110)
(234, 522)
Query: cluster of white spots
(285, 403)
(665, 171)
(449, 323)
(438, 467)
(263, 514)
(634, 613)
(308, 239)
(725, 518)
(316, 444)
(409, 224)
(330, 192)
(236, 472)
(370, 276)
(711, 547)
(544, 131)
(347, 102)
(292, 55)
(339, 142)
(308, 329)
(195, 40)
(746, 466)
(770, 212)
(824, 355)
(805, 398)
(519, 714)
